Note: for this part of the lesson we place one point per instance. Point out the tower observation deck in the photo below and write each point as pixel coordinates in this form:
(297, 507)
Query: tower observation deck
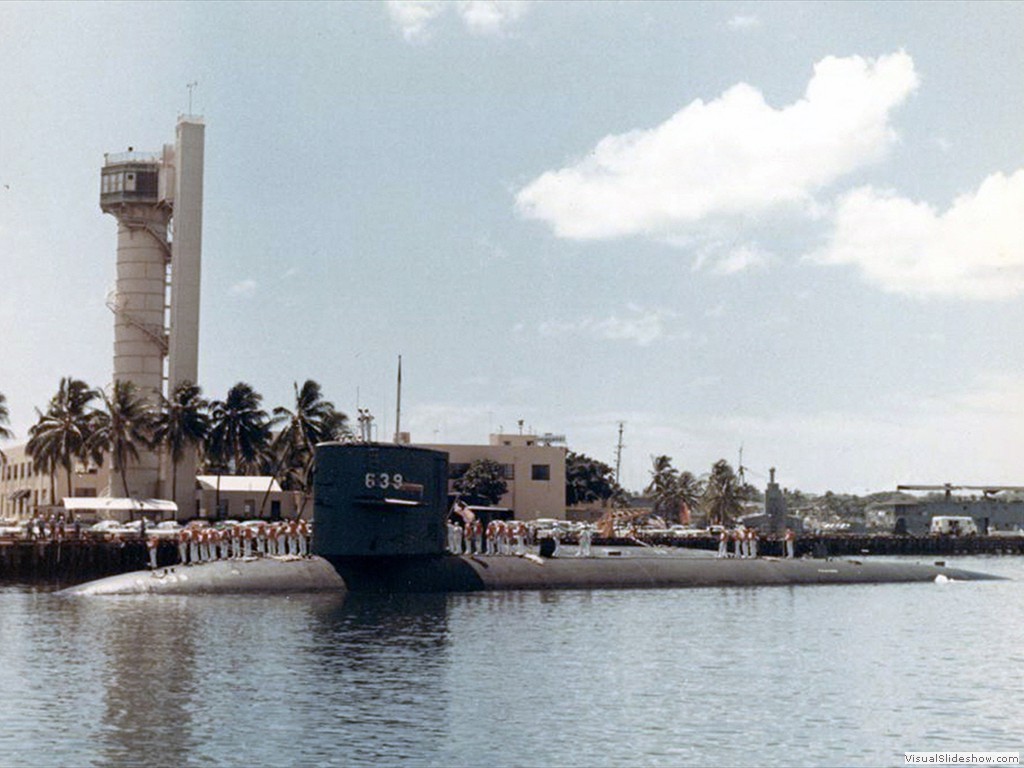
(157, 199)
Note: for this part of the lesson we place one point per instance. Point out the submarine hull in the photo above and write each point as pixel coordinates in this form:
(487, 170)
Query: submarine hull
(265, 575)
(472, 573)
(623, 570)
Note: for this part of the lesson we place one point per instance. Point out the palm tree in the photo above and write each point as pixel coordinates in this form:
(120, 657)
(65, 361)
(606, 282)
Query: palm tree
(122, 428)
(313, 421)
(239, 434)
(663, 487)
(5, 433)
(722, 497)
(182, 423)
(62, 434)
(282, 462)
(689, 491)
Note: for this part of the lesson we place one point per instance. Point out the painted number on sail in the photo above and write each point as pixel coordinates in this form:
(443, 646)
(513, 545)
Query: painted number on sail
(383, 480)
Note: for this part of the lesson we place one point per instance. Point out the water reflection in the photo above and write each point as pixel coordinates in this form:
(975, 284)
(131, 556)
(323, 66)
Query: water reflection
(149, 679)
(381, 676)
(664, 677)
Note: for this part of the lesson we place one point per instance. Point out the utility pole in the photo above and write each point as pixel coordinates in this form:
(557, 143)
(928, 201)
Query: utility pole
(618, 455)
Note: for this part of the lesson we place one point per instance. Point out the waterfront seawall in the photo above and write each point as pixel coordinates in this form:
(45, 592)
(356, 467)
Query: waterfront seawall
(62, 562)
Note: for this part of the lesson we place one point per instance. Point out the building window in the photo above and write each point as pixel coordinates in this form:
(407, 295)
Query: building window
(508, 471)
(455, 471)
(541, 472)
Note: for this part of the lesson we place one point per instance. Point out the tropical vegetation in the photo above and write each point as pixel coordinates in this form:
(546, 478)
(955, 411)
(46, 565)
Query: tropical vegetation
(588, 480)
(61, 434)
(723, 496)
(239, 435)
(5, 419)
(312, 420)
(182, 423)
(121, 429)
(233, 435)
(484, 480)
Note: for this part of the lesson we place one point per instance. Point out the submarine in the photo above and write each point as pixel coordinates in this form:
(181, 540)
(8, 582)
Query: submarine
(379, 526)
(379, 519)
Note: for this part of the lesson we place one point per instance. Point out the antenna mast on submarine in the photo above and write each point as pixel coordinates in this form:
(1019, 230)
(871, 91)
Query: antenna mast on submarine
(398, 406)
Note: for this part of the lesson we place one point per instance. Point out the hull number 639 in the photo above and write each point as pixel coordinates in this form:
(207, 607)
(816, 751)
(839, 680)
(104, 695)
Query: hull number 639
(383, 480)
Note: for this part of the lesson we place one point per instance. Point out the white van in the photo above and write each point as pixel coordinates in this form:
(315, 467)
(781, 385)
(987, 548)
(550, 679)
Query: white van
(953, 525)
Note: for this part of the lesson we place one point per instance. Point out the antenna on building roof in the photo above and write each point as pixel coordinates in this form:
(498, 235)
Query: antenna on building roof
(190, 86)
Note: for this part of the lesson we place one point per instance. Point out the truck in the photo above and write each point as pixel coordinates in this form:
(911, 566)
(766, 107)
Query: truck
(954, 525)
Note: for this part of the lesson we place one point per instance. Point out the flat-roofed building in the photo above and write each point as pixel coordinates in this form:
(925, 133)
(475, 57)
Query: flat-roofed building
(25, 491)
(244, 498)
(532, 467)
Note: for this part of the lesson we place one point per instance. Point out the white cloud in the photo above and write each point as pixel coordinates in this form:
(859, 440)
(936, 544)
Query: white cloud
(740, 21)
(973, 250)
(245, 287)
(486, 18)
(413, 17)
(733, 156)
(491, 17)
(748, 257)
(639, 326)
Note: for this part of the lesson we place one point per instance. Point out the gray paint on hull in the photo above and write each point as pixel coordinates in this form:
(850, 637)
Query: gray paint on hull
(652, 571)
(265, 575)
(640, 569)
(643, 569)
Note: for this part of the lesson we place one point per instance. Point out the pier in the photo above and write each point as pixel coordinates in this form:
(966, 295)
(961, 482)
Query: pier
(62, 562)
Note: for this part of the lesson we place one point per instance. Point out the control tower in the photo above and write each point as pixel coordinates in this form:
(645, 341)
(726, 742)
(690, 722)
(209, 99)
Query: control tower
(157, 199)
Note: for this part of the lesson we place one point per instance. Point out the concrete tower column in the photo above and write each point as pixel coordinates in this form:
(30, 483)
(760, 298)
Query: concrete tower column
(156, 299)
(186, 267)
(139, 297)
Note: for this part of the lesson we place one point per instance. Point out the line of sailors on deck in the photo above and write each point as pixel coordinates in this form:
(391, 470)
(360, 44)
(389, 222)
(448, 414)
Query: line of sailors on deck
(745, 541)
(203, 545)
(503, 537)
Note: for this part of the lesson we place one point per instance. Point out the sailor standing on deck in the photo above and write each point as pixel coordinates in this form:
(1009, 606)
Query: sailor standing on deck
(151, 543)
(183, 546)
(736, 543)
(790, 539)
(585, 536)
(493, 534)
(752, 542)
(478, 537)
(723, 544)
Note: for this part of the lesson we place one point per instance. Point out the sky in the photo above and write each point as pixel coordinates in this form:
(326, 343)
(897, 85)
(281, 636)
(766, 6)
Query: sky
(795, 229)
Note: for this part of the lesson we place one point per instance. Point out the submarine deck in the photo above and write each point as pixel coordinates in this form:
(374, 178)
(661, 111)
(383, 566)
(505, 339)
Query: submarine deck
(622, 568)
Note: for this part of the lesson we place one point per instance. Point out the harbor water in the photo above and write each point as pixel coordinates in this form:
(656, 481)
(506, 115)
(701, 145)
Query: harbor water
(843, 675)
